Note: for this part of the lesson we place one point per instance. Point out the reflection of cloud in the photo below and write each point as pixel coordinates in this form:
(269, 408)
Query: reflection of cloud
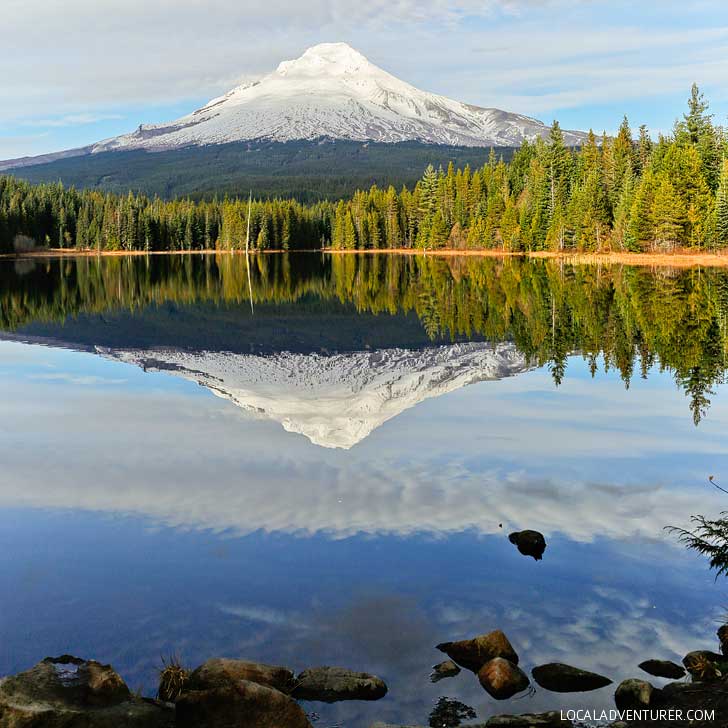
(253, 613)
(159, 449)
(365, 498)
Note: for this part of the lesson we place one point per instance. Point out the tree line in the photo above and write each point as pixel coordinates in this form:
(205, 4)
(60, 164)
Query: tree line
(612, 193)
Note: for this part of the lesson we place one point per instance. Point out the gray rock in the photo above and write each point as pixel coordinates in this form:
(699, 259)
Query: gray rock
(443, 670)
(529, 543)
(219, 672)
(633, 694)
(662, 668)
(560, 678)
(472, 654)
(501, 679)
(332, 684)
(241, 704)
(69, 692)
(552, 719)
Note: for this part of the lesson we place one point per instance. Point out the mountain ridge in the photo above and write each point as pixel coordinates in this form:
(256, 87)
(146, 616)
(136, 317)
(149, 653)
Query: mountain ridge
(330, 91)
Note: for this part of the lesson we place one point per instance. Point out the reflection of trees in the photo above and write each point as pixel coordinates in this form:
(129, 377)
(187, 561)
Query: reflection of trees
(449, 713)
(620, 318)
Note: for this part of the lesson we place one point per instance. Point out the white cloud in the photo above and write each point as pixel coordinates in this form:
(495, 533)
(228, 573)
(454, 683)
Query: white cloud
(71, 120)
(82, 60)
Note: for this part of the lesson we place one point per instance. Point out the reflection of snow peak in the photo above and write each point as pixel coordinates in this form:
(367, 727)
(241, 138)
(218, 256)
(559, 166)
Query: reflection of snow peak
(334, 401)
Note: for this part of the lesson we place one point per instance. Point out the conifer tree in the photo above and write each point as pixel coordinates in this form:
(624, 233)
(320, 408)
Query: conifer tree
(721, 208)
(668, 215)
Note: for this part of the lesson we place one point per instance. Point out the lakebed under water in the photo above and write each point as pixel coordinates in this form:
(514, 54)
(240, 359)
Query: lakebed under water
(320, 464)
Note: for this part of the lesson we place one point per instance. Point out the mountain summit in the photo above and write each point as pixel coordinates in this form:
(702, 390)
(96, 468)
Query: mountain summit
(331, 91)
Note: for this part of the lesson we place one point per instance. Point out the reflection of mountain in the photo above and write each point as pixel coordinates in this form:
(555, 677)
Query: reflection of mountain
(334, 401)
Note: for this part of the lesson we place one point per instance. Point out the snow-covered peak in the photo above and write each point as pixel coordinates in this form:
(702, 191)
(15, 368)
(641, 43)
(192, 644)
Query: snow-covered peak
(327, 58)
(335, 401)
(333, 91)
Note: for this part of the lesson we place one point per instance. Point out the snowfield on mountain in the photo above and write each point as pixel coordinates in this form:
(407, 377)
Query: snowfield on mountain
(332, 91)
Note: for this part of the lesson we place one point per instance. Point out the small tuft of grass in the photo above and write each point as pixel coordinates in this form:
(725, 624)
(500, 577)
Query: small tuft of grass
(172, 679)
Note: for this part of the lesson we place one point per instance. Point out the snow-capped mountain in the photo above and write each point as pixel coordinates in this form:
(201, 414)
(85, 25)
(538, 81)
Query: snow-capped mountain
(335, 401)
(331, 91)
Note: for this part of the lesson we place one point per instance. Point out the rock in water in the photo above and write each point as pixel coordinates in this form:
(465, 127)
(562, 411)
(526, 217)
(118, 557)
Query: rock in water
(472, 654)
(66, 691)
(242, 704)
(633, 694)
(662, 668)
(501, 679)
(703, 664)
(332, 684)
(561, 678)
(443, 670)
(552, 719)
(723, 637)
(529, 543)
(220, 671)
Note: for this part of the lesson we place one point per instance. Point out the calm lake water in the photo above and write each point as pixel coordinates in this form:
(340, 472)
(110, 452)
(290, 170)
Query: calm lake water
(320, 464)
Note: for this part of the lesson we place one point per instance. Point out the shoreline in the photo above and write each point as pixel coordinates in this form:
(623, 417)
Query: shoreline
(677, 259)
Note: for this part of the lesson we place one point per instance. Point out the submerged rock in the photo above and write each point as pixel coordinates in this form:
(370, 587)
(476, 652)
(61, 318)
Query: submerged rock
(501, 679)
(529, 543)
(241, 704)
(552, 719)
(472, 654)
(219, 672)
(332, 684)
(560, 678)
(633, 694)
(662, 668)
(443, 670)
(70, 692)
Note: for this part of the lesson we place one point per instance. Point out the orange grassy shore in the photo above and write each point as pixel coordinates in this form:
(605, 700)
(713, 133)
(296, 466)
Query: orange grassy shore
(676, 259)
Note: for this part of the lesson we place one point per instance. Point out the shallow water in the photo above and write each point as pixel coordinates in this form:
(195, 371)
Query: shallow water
(340, 488)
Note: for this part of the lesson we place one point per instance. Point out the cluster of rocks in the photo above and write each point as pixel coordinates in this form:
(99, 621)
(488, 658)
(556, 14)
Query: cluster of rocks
(501, 677)
(707, 690)
(69, 692)
(492, 658)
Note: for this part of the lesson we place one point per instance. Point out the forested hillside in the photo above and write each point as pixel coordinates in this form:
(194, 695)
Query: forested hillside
(307, 171)
(616, 193)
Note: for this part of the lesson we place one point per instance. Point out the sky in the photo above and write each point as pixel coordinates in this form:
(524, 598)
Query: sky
(83, 70)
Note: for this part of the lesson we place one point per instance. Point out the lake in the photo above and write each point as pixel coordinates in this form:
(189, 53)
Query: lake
(318, 459)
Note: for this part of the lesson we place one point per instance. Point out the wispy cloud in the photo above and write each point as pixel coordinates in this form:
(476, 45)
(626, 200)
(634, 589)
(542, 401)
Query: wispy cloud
(70, 120)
